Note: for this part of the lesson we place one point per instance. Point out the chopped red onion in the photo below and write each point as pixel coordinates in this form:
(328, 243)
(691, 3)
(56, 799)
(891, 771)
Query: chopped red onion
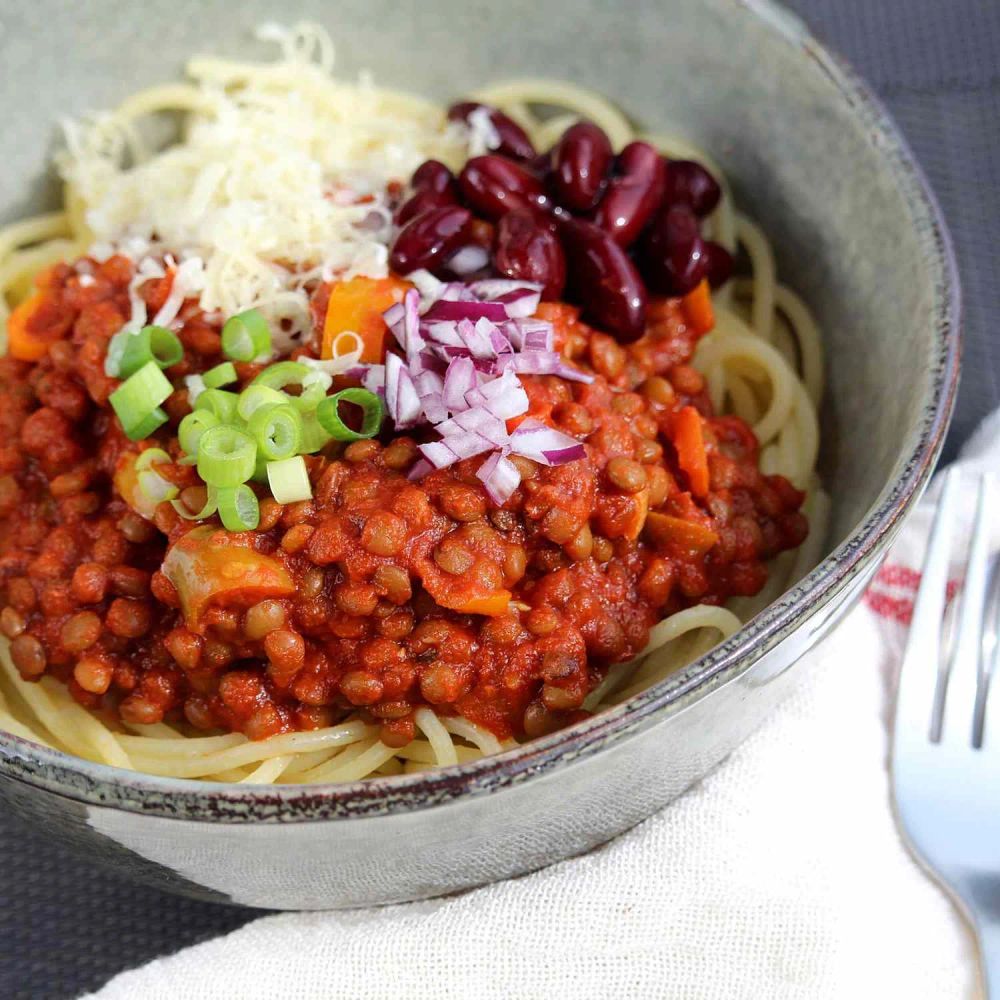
(500, 477)
(504, 397)
(445, 310)
(520, 298)
(545, 444)
(460, 379)
(460, 374)
(401, 396)
(480, 421)
(438, 454)
(419, 469)
(477, 337)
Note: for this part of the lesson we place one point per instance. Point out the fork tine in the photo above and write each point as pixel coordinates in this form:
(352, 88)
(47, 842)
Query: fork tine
(918, 678)
(962, 680)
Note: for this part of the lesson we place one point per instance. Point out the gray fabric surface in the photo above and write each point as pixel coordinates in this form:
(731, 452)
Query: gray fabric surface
(66, 928)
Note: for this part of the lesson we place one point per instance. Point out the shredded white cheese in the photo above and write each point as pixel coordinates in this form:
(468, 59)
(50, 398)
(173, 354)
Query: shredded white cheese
(263, 195)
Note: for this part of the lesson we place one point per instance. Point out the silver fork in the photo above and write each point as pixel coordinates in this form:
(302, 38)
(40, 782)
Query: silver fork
(946, 736)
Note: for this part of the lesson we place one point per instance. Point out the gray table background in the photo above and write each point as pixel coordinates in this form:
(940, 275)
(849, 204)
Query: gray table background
(66, 928)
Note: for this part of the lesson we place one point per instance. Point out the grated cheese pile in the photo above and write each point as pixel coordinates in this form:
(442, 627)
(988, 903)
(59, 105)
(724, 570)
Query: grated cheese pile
(263, 191)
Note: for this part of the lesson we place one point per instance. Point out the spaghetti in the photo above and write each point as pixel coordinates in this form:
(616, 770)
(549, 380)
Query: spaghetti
(763, 361)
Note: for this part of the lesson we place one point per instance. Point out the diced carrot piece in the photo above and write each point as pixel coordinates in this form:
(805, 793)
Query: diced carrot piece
(205, 570)
(680, 538)
(690, 444)
(357, 305)
(493, 604)
(697, 305)
(24, 343)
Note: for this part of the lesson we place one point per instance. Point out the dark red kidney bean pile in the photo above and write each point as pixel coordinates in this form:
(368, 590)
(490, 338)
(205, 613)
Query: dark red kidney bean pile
(592, 227)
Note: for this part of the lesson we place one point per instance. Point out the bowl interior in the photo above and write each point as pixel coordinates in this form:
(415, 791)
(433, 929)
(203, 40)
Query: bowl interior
(808, 159)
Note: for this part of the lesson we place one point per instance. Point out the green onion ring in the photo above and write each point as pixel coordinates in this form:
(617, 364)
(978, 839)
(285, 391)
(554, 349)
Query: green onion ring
(193, 426)
(314, 435)
(227, 456)
(277, 431)
(283, 373)
(137, 401)
(220, 375)
(220, 403)
(211, 506)
(151, 343)
(238, 508)
(328, 414)
(254, 397)
(151, 456)
(289, 480)
(246, 336)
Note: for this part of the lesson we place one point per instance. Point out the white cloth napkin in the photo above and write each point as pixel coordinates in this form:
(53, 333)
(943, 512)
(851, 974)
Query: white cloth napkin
(781, 875)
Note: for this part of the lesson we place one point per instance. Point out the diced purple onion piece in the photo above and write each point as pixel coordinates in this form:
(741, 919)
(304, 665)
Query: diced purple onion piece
(500, 477)
(445, 310)
(459, 379)
(438, 454)
(480, 421)
(545, 444)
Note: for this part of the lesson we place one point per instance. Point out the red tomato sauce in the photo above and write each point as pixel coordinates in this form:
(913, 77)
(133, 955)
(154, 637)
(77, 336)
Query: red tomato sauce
(379, 595)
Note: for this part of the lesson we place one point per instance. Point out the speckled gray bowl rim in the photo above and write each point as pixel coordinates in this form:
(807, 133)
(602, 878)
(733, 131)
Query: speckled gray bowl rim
(180, 798)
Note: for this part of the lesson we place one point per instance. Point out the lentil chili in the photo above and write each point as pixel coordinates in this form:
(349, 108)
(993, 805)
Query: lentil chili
(379, 594)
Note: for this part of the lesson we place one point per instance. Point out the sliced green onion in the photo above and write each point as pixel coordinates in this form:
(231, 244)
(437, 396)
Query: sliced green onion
(328, 414)
(289, 480)
(137, 401)
(227, 456)
(193, 426)
(151, 422)
(277, 431)
(153, 486)
(246, 336)
(238, 508)
(151, 343)
(219, 402)
(151, 456)
(310, 397)
(282, 374)
(211, 506)
(220, 375)
(314, 435)
(255, 397)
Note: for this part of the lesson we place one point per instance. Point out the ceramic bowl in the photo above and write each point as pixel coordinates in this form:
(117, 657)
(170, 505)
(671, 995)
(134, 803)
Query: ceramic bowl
(811, 155)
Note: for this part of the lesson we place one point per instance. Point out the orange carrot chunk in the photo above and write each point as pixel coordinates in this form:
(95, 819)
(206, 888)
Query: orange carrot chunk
(697, 306)
(690, 444)
(23, 339)
(357, 305)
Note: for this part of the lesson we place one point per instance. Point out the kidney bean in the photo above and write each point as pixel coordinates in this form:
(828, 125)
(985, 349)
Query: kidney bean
(718, 263)
(423, 201)
(494, 186)
(689, 183)
(605, 279)
(433, 175)
(530, 252)
(430, 239)
(674, 252)
(580, 162)
(514, 141)
(633, 194)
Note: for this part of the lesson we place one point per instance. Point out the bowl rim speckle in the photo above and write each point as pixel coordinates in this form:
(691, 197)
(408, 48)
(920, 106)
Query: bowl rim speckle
(180, 798)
